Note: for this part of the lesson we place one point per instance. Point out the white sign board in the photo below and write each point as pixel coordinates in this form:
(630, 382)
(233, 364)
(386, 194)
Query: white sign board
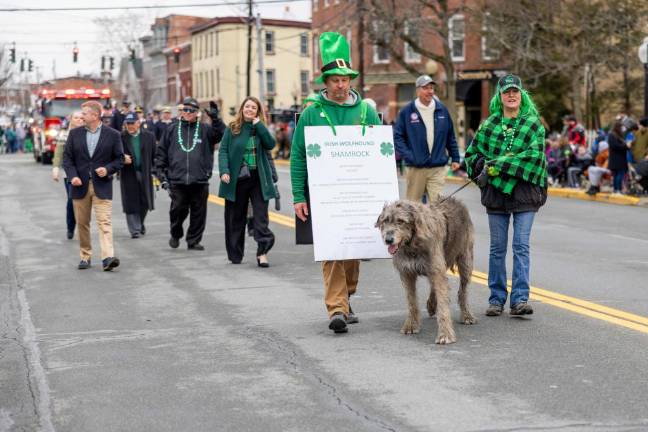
(350, 178)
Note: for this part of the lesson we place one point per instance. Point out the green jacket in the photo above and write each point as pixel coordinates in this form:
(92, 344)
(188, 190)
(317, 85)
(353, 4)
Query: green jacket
(230, 159)
(340, 115)
(640, 146)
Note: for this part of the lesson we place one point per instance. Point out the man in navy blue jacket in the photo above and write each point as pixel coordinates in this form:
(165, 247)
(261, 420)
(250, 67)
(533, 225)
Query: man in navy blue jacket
(424, 136)
(93, 154)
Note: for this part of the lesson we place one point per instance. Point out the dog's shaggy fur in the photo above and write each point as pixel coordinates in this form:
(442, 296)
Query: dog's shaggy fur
(425, 240)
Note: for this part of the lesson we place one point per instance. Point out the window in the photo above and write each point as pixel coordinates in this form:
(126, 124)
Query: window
(315, 5)
(327, 3)
(411, 30)
(303, 44)
(487, 42)
(456, 37)
(205, 46)
(304, 82)
(216, 43)
(211, 83)
(381, 53)
(269, 42)
(270, 81)
(218, 81)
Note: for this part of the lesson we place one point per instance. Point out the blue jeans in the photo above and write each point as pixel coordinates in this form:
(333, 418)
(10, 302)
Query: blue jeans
(71, 222)
(617, 180)
(499, 225)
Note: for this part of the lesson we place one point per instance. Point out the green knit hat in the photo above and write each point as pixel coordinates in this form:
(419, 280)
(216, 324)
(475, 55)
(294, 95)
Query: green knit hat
(334, 50)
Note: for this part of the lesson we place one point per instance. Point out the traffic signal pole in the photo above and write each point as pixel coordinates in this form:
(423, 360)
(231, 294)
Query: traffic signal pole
(249, 50)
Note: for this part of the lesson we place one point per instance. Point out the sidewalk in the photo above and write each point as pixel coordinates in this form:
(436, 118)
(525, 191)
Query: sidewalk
(558, 192)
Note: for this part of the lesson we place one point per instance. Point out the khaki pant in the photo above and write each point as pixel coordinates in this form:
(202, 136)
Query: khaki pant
(340, 282)
(103, 213)
(421, 180)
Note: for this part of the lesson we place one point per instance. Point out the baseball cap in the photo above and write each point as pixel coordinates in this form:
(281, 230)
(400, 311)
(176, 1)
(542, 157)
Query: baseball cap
(424, 80)
(131, 117)
(509, 81)
(189, 101)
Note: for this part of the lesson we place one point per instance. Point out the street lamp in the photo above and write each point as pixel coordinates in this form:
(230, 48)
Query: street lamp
(643, 57)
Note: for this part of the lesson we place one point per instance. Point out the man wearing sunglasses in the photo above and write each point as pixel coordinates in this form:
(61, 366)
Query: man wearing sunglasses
(185, 160)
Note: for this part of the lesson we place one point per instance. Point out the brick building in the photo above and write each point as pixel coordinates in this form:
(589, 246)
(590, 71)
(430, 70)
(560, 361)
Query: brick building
(168, 81)
(392, 86)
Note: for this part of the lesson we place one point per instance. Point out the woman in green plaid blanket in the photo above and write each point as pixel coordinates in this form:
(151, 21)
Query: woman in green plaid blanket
(507, 160)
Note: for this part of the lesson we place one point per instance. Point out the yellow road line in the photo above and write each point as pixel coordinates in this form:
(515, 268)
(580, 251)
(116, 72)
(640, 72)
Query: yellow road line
(562, 301)
(576, 305)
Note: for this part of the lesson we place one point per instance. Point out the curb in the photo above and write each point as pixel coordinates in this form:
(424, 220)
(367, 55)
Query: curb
(554, 192)
(580, 194)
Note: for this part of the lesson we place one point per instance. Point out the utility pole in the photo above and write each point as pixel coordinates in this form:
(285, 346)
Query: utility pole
(260, 60)
(361, 37)
(249, 50)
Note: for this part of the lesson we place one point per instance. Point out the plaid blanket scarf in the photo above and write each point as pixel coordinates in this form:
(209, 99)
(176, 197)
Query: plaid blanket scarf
(513, 150)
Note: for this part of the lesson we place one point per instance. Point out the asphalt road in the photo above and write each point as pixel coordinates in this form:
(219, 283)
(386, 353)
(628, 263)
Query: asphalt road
(178, 340)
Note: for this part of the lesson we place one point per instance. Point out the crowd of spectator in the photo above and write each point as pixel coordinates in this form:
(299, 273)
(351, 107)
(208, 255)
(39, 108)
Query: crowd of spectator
(615, 158)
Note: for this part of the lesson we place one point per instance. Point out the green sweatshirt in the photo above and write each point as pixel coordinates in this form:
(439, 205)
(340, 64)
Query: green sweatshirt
(340, 115)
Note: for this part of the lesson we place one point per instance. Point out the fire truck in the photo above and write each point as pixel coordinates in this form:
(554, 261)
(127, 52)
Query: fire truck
(55, 107)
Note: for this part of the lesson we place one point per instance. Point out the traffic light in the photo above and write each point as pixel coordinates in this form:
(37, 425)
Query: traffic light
(30, 66)
(22, 65)
(75, 54)
(12, 55)
(103, 63)
(132, 54)
(112, 63)
(176, 54)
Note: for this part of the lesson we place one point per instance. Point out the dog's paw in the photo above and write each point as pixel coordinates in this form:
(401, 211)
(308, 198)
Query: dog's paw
(468, 319)
(445, 339)
(410, 327)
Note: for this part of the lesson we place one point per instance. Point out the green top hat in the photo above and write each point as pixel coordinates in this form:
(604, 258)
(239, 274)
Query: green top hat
(334, 50)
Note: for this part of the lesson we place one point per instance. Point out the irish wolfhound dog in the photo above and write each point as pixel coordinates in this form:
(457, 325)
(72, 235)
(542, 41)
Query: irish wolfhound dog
(425, 240)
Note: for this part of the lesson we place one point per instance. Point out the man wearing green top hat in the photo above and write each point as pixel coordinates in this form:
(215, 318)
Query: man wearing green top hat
(337, 104)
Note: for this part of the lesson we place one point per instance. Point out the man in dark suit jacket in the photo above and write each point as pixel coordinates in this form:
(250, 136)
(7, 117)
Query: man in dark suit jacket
(92, 156)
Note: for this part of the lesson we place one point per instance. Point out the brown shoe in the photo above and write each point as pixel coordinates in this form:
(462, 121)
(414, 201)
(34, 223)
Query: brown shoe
(494, 310)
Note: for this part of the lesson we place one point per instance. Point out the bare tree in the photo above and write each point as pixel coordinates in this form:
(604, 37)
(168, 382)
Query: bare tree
(5, 66)
(578, 42)
(421, 27)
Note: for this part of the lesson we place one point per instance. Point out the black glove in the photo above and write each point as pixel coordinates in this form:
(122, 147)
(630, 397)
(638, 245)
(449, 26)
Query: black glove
(482, 178)
(479, 165)
(213, 111)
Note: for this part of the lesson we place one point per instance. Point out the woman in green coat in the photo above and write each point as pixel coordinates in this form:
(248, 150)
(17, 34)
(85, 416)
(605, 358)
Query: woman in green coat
(246, 177)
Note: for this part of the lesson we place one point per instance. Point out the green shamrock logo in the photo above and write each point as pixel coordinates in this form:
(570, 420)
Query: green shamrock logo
(386, 149)
(313, 150)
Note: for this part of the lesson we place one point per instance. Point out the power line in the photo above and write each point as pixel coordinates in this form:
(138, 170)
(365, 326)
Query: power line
(97, 8)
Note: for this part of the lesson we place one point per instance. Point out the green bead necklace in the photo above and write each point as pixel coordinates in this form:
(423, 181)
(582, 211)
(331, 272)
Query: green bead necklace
(509, 135)
(193, 142)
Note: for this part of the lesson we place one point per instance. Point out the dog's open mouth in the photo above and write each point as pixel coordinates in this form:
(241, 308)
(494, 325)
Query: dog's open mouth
(392, 249)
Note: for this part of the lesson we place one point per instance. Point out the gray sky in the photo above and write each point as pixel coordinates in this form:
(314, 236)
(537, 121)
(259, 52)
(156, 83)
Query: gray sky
(50, 36)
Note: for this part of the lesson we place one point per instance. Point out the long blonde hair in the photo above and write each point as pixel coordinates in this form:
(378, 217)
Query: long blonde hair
(235, 126)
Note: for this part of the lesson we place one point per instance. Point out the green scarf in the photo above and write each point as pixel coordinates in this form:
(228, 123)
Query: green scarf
(513, 150)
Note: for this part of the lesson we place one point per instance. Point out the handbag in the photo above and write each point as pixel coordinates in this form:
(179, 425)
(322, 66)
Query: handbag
(244, 173)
